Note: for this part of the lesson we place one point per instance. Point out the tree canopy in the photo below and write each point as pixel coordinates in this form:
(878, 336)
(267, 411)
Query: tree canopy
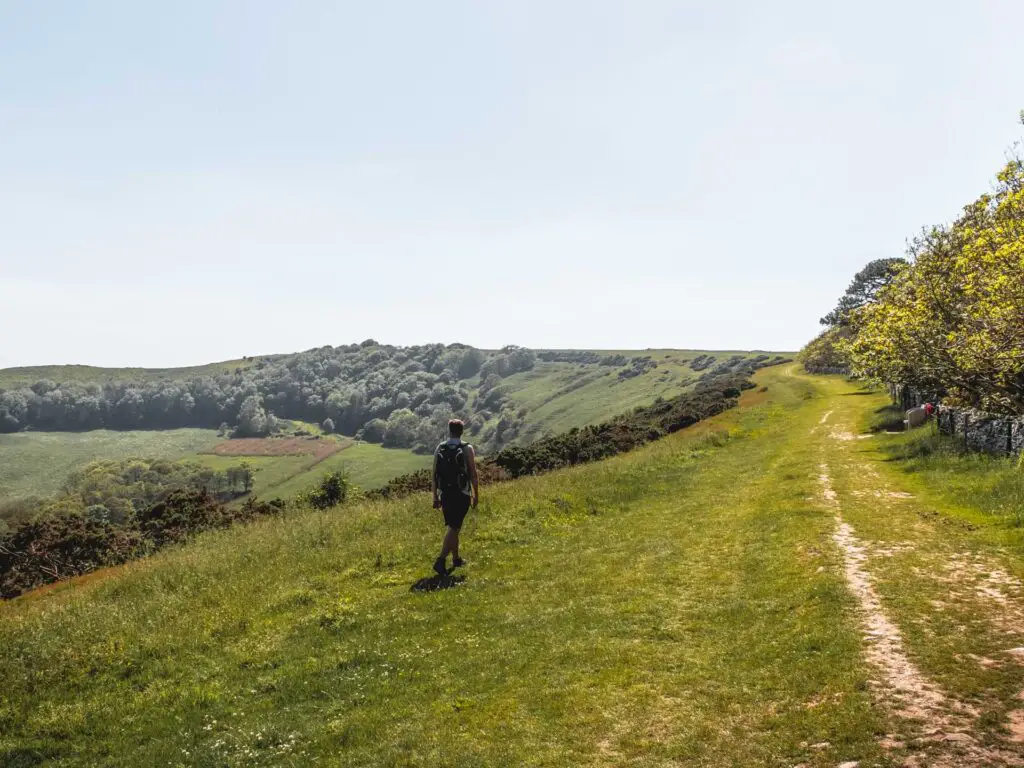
(863, 289)
(358, 387)
(952, 322)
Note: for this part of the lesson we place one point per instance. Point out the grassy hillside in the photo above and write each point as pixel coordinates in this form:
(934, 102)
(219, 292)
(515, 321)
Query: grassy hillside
(558, 396)
(687, 604)
(25, 376)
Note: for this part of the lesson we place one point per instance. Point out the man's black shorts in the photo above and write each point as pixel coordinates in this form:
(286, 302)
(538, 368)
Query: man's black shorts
(455, 506)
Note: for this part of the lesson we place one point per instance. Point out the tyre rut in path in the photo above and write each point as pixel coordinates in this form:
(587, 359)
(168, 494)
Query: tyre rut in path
(943, 723)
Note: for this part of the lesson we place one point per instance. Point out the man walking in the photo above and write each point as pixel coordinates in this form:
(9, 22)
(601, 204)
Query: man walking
(455, 489)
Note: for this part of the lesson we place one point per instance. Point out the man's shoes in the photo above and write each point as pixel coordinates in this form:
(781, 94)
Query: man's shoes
(439, 567)
(458, 562)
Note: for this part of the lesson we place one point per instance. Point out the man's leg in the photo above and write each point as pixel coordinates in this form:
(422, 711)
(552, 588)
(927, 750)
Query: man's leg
(456, 559)
(454, 546)
(451, 543)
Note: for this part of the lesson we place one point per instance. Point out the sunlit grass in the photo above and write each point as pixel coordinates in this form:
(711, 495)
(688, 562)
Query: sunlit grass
(649, 609)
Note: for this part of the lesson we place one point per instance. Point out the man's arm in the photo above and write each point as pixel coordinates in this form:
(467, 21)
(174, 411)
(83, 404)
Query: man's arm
(433, 483)
(472, 475)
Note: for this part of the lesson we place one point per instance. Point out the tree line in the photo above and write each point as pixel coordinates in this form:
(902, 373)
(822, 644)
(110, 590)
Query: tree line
(949, 319)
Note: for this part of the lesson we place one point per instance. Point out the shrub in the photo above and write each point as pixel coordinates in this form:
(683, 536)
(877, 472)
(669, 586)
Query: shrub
(329, 492)
(701, 362)
(827, 353)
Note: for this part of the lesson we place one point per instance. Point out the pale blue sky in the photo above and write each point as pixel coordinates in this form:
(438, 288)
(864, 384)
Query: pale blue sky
(191, 181)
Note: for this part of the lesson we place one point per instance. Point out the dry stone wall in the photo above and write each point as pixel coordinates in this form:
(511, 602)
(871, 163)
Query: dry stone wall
(982, 431)
(979, 431)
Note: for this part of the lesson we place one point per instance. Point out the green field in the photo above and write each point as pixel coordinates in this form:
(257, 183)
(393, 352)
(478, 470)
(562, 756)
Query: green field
(37, 463)
(365, 465)
(270, 471)
(686, 604)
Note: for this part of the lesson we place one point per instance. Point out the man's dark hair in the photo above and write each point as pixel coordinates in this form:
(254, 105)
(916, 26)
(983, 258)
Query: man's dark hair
(455, 427)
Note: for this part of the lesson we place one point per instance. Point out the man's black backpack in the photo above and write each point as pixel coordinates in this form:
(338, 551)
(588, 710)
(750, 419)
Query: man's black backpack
(452, 468)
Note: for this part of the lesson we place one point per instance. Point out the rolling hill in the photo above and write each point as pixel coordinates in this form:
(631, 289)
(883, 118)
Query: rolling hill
(26, 376)
(762, 589)
(556, 390)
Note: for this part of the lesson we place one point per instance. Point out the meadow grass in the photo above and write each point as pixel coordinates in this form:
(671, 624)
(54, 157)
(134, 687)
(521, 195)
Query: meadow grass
(364, 464)
(657, 608)
(982, 489)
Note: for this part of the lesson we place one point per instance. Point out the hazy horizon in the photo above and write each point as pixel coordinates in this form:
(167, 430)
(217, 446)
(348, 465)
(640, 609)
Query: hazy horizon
(384, 342)
(193, 183)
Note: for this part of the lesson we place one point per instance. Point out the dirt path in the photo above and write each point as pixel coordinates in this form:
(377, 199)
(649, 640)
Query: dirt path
(937, 728)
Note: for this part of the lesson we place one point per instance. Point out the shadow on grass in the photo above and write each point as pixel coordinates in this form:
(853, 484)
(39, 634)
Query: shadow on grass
(888, 418)
(434, 583)
(921, 444)
(25, 757)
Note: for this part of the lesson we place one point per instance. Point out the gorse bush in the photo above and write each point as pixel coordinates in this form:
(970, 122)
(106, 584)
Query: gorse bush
(46, 550)
(638, 366)
(827, 353)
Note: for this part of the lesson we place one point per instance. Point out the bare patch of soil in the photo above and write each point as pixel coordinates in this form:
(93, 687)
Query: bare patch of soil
(843, 436)
(893, 549)
(1016, 726)
(279, 446)
(883, 494)
(973, 575)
